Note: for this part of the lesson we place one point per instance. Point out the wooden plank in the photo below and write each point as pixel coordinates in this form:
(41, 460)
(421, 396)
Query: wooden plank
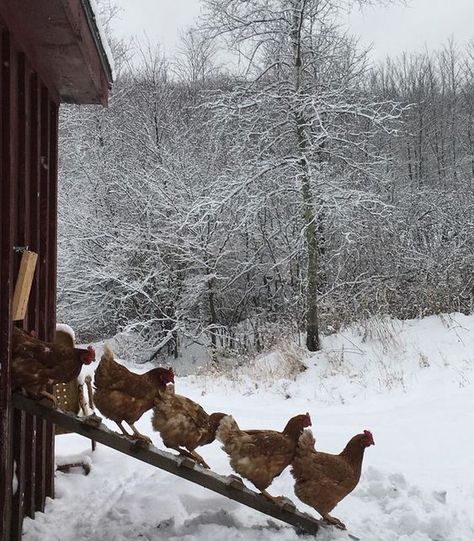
(19, 455)
(25, 234)
(30, 466)
(172, 464)
(40, 465)
(53, 218)
(34, 174)
(52, 273)
(42, 431)
(6, 282)
(23, 269)
(24, 281)
(44, 202)
(32, 430)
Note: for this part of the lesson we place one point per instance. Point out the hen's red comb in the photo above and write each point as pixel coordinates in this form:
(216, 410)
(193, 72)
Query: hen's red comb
(370, 438)
(90, 356)
(168, 378)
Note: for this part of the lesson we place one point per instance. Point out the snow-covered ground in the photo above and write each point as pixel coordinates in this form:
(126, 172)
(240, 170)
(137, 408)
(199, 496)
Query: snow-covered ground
(411, 383)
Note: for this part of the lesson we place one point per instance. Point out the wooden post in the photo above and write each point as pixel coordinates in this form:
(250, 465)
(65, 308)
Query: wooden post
(23, 285)
(7, 215)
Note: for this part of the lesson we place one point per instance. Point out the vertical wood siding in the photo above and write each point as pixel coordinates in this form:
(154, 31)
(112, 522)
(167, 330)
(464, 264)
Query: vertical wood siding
(28, 192)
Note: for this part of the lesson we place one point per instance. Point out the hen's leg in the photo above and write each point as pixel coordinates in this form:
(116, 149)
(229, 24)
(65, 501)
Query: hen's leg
(90, 393)
(274, 499)
(49, 396)
(200, 460)
(82, 401)
(137, 435)
(334, 521)
(124, 432)
(182, 452)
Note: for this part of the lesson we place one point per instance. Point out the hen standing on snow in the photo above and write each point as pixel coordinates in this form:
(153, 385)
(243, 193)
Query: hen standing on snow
(322, 479)
(122, 395)
(261, 455)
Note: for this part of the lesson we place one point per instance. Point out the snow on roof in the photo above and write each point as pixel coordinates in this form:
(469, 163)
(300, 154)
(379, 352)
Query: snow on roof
(102, 36)
(62, 327)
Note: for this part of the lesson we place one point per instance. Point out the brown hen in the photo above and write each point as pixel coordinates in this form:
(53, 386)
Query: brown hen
(122, 395)
(261, 455)
(322, 480)
(182, 422)
(37, 364)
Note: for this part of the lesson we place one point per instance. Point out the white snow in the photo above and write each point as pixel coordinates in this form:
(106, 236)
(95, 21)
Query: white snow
(62, 327)
(103, 37)
(410, 383)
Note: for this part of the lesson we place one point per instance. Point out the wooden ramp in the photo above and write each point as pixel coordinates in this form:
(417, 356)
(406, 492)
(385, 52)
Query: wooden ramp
(180, 466)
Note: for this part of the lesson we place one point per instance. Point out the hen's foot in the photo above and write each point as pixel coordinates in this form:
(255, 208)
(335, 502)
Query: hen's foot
(334, 522)
(287, 504)
(234, 481)
(200, 460)
(182, 452)
(92, 420)
(139, 437)
(49, 396)
(275, 499)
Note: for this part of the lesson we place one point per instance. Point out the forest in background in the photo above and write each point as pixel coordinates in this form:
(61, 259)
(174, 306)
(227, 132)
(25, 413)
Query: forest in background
(234, 203)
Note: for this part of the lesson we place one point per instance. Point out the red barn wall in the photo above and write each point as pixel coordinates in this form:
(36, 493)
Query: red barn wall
(28, 217)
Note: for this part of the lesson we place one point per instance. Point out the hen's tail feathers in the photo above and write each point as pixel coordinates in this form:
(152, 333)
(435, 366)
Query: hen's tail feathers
(305, 446)
(108, 354)
(102, 372)
(226, 427)
(306, 441)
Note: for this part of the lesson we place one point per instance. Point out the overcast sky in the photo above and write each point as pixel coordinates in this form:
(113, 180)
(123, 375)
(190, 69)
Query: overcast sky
(424, 23)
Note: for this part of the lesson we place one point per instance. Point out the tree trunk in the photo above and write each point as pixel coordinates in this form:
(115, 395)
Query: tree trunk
(312, 327)
(212, 314)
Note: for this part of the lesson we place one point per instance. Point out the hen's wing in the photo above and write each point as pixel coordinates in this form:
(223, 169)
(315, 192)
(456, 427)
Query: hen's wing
(326, 480)
(121, 406)
(30, 374)
(180, 421)
(323, 465)
(172, 405)
(267, 442)
(41, 354)
(112, 376)
(257, 455)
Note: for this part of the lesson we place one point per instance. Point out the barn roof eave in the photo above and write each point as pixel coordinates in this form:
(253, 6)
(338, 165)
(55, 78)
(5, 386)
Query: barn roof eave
(63, 42)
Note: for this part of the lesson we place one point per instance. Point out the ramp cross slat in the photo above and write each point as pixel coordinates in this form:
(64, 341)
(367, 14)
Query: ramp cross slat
(172, 464)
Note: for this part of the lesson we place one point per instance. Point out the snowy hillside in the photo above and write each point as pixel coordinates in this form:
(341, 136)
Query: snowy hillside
(411, 383)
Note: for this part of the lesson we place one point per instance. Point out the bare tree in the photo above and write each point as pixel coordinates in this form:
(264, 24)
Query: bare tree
(303, 77)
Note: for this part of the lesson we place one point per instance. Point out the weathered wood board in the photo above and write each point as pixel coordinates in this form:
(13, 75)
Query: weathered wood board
(23, 284)
(180, 466)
